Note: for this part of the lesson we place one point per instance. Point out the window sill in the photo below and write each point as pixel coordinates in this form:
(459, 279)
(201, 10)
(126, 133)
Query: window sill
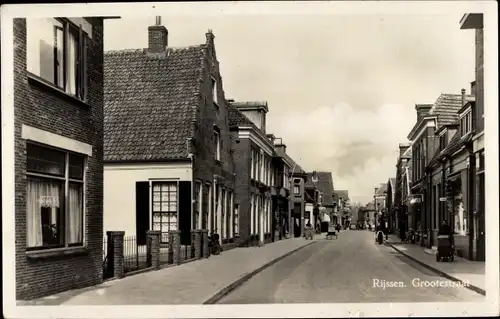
(57, 252)
(36, 80)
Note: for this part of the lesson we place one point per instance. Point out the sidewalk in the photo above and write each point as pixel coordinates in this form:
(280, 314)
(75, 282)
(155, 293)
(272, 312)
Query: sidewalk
(198, 282)
(471, 272)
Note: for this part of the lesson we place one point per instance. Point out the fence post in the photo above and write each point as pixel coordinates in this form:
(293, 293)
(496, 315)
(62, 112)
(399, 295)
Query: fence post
(154, 247)
(175, 245)
(116, 238)
(196, 241)
(204, 241)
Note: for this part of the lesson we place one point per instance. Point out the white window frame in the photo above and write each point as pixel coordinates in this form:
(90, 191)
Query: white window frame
(66, 180)
(466, 122)
(81, 63)
(217, 144)
(215, 97)
(164, 240)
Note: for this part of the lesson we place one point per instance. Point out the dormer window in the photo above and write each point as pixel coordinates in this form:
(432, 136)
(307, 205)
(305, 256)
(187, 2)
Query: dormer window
(217, 143)
(443, 140)
(214, 92)
(466, 123)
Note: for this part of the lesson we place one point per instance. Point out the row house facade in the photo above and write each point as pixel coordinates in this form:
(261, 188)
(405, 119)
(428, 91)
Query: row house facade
(167, 146)
(389, 204)
(322, 183)
(253, 157)
(474, 21)
(380, 201)
(341, 212)
(280, 192)
(58, 121)
(298, 200)
(401, 192)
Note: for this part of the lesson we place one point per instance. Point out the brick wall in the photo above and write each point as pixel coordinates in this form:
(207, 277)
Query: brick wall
(242, 160)
(43, 109)
(208, 115)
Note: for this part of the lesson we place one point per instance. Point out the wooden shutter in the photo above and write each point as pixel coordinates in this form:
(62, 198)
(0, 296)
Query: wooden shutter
(141, 211)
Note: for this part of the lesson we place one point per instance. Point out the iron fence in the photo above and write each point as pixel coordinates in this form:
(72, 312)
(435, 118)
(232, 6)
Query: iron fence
(187, 252)
(135, 256)
(166, 255)
(107, 260)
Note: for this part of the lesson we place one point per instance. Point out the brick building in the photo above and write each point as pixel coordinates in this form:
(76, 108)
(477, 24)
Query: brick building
(430, 117)
(253, 161)
(58, 118)
(474, 21)
(167, 147)
(401, 190)
(280, 192)
(341, 206)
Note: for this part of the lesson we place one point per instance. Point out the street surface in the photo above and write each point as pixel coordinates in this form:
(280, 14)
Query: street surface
(347, 270)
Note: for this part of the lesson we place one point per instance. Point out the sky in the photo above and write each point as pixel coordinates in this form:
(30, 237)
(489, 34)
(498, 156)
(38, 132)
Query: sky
(341, 89)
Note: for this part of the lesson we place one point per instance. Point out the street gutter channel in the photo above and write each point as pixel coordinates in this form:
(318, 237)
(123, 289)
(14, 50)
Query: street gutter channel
(439, 272)
(225, 291)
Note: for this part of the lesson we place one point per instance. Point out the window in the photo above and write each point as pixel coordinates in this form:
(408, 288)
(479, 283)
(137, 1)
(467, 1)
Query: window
(296, 190)
(252, 213)
(214, 92)
(57, 53)
(229, 213)
(217, 144)
(204, 209)
(236, 220)
(198, 205)
(164, 208)
(54, 198)
(251, 162)
(215, 215)
(466, 123)
(223, 213)
(443, 141)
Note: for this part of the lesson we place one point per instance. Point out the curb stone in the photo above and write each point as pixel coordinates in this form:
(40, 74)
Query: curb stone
(439, 272)
(219, 295)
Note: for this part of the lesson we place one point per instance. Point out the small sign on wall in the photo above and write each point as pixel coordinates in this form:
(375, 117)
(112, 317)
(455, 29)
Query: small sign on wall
(443, 199)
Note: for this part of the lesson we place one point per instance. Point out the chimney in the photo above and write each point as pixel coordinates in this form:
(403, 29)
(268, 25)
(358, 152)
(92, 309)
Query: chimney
(463, 97)
(422, 110)
(402, 148)
(157, 37)
(376, 189)
(473, 88)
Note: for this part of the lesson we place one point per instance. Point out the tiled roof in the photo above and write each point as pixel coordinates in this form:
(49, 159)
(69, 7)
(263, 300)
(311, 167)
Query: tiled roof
(341, 193)
(456, 142)
(324, 185)
(446, 108)
(370, 206)
(150, 103)
(287, 158)
(382, 188)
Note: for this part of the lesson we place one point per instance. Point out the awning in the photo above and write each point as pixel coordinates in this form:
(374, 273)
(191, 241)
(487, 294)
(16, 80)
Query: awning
(326, 218)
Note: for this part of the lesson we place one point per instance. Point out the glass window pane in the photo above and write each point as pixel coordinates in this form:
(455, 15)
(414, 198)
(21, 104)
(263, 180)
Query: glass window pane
(45, 160)
(76, 166)
(44, 40)
(44, 212)
(72, 60)
(75, 213)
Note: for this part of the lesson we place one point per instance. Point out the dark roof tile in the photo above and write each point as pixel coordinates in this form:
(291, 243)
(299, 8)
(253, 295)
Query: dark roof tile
(150, 103)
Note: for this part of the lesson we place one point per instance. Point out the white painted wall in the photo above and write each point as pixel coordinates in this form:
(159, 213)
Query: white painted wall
(254, 116)
(119, 190)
